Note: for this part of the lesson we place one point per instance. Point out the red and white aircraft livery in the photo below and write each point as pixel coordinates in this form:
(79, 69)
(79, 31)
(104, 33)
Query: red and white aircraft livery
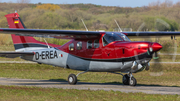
(88, 51)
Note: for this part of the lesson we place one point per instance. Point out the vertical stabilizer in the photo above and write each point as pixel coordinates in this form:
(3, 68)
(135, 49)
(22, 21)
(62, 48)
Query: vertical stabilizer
(23, 43)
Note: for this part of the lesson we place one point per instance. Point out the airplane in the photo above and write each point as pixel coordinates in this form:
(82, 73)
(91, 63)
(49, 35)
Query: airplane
(87, 51)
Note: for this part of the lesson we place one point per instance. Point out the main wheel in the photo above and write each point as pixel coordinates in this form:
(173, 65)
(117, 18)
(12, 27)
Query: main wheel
(125, 80)
(72, 79)
(132, 82)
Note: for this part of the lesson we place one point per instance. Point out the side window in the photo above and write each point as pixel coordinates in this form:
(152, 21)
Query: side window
(89, 44)
(96, 43)
(79, 45)
(71, 47)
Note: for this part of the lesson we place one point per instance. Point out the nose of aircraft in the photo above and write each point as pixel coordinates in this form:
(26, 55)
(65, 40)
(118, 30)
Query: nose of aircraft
(156, 47)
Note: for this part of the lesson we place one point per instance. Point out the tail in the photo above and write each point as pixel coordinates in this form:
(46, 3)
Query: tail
(24, 43)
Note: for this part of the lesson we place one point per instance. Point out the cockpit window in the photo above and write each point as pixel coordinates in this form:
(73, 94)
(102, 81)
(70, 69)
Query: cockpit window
(104, 42)
(123, 36)
(110, 37)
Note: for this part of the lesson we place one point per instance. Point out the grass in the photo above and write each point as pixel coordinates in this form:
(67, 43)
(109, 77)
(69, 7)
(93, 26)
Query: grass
(14, 93)
(170, 76)
(11, 59)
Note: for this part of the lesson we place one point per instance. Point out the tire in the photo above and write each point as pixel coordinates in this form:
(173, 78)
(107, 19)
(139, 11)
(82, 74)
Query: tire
(132, 82)
(72, 79)
(125, 79)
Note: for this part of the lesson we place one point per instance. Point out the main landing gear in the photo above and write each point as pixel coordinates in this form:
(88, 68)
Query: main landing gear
(128, 79)
(72, 78)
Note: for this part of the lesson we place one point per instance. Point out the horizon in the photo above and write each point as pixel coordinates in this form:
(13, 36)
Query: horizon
(137, 3)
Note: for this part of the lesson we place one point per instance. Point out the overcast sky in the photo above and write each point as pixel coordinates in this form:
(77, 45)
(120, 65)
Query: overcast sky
(121, 3)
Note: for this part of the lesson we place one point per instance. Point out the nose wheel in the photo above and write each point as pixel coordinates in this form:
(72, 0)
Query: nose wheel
(129, 80)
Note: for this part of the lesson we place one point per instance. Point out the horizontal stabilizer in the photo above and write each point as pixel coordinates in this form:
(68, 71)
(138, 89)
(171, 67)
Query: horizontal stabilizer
(15, 54)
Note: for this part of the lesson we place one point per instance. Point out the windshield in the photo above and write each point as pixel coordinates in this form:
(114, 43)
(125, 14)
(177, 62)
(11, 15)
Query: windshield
(123, 36)
(110, 37)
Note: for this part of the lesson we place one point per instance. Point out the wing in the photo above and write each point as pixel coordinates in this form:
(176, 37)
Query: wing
(59, 34)
(160, 33)
(15, 54)
(73, 34)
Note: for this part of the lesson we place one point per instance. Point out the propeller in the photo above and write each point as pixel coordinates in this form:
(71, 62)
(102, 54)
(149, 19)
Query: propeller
(169, 47)
(156, 66)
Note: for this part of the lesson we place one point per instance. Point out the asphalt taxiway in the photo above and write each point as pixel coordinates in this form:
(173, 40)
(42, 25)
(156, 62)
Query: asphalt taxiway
(149, 89)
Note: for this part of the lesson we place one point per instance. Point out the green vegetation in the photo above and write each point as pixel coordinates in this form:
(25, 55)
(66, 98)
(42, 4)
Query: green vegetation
(9, 93)
(157, 16)
(50, 7)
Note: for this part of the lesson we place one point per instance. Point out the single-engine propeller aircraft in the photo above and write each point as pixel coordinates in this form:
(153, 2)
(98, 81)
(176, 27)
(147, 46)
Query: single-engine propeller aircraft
(88, 51)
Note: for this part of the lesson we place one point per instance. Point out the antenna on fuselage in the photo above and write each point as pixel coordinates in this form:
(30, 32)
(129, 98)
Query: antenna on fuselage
(118, 26)
(84, 24)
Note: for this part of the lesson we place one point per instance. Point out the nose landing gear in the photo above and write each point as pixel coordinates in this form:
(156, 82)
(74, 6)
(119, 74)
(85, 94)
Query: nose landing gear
(128, 79)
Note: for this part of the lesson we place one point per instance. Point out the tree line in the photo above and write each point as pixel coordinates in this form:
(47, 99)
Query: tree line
(156, 16)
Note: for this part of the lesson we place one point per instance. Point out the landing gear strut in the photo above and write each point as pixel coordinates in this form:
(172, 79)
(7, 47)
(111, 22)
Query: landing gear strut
(72, 78)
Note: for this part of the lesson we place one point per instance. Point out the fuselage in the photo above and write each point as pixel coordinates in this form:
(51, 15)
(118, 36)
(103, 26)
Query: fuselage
(109, 53)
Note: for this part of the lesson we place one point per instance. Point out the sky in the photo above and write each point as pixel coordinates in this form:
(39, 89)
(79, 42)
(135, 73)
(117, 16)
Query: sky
(120, 3)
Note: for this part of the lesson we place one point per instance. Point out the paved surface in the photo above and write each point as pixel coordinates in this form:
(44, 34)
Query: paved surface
(91, 86)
